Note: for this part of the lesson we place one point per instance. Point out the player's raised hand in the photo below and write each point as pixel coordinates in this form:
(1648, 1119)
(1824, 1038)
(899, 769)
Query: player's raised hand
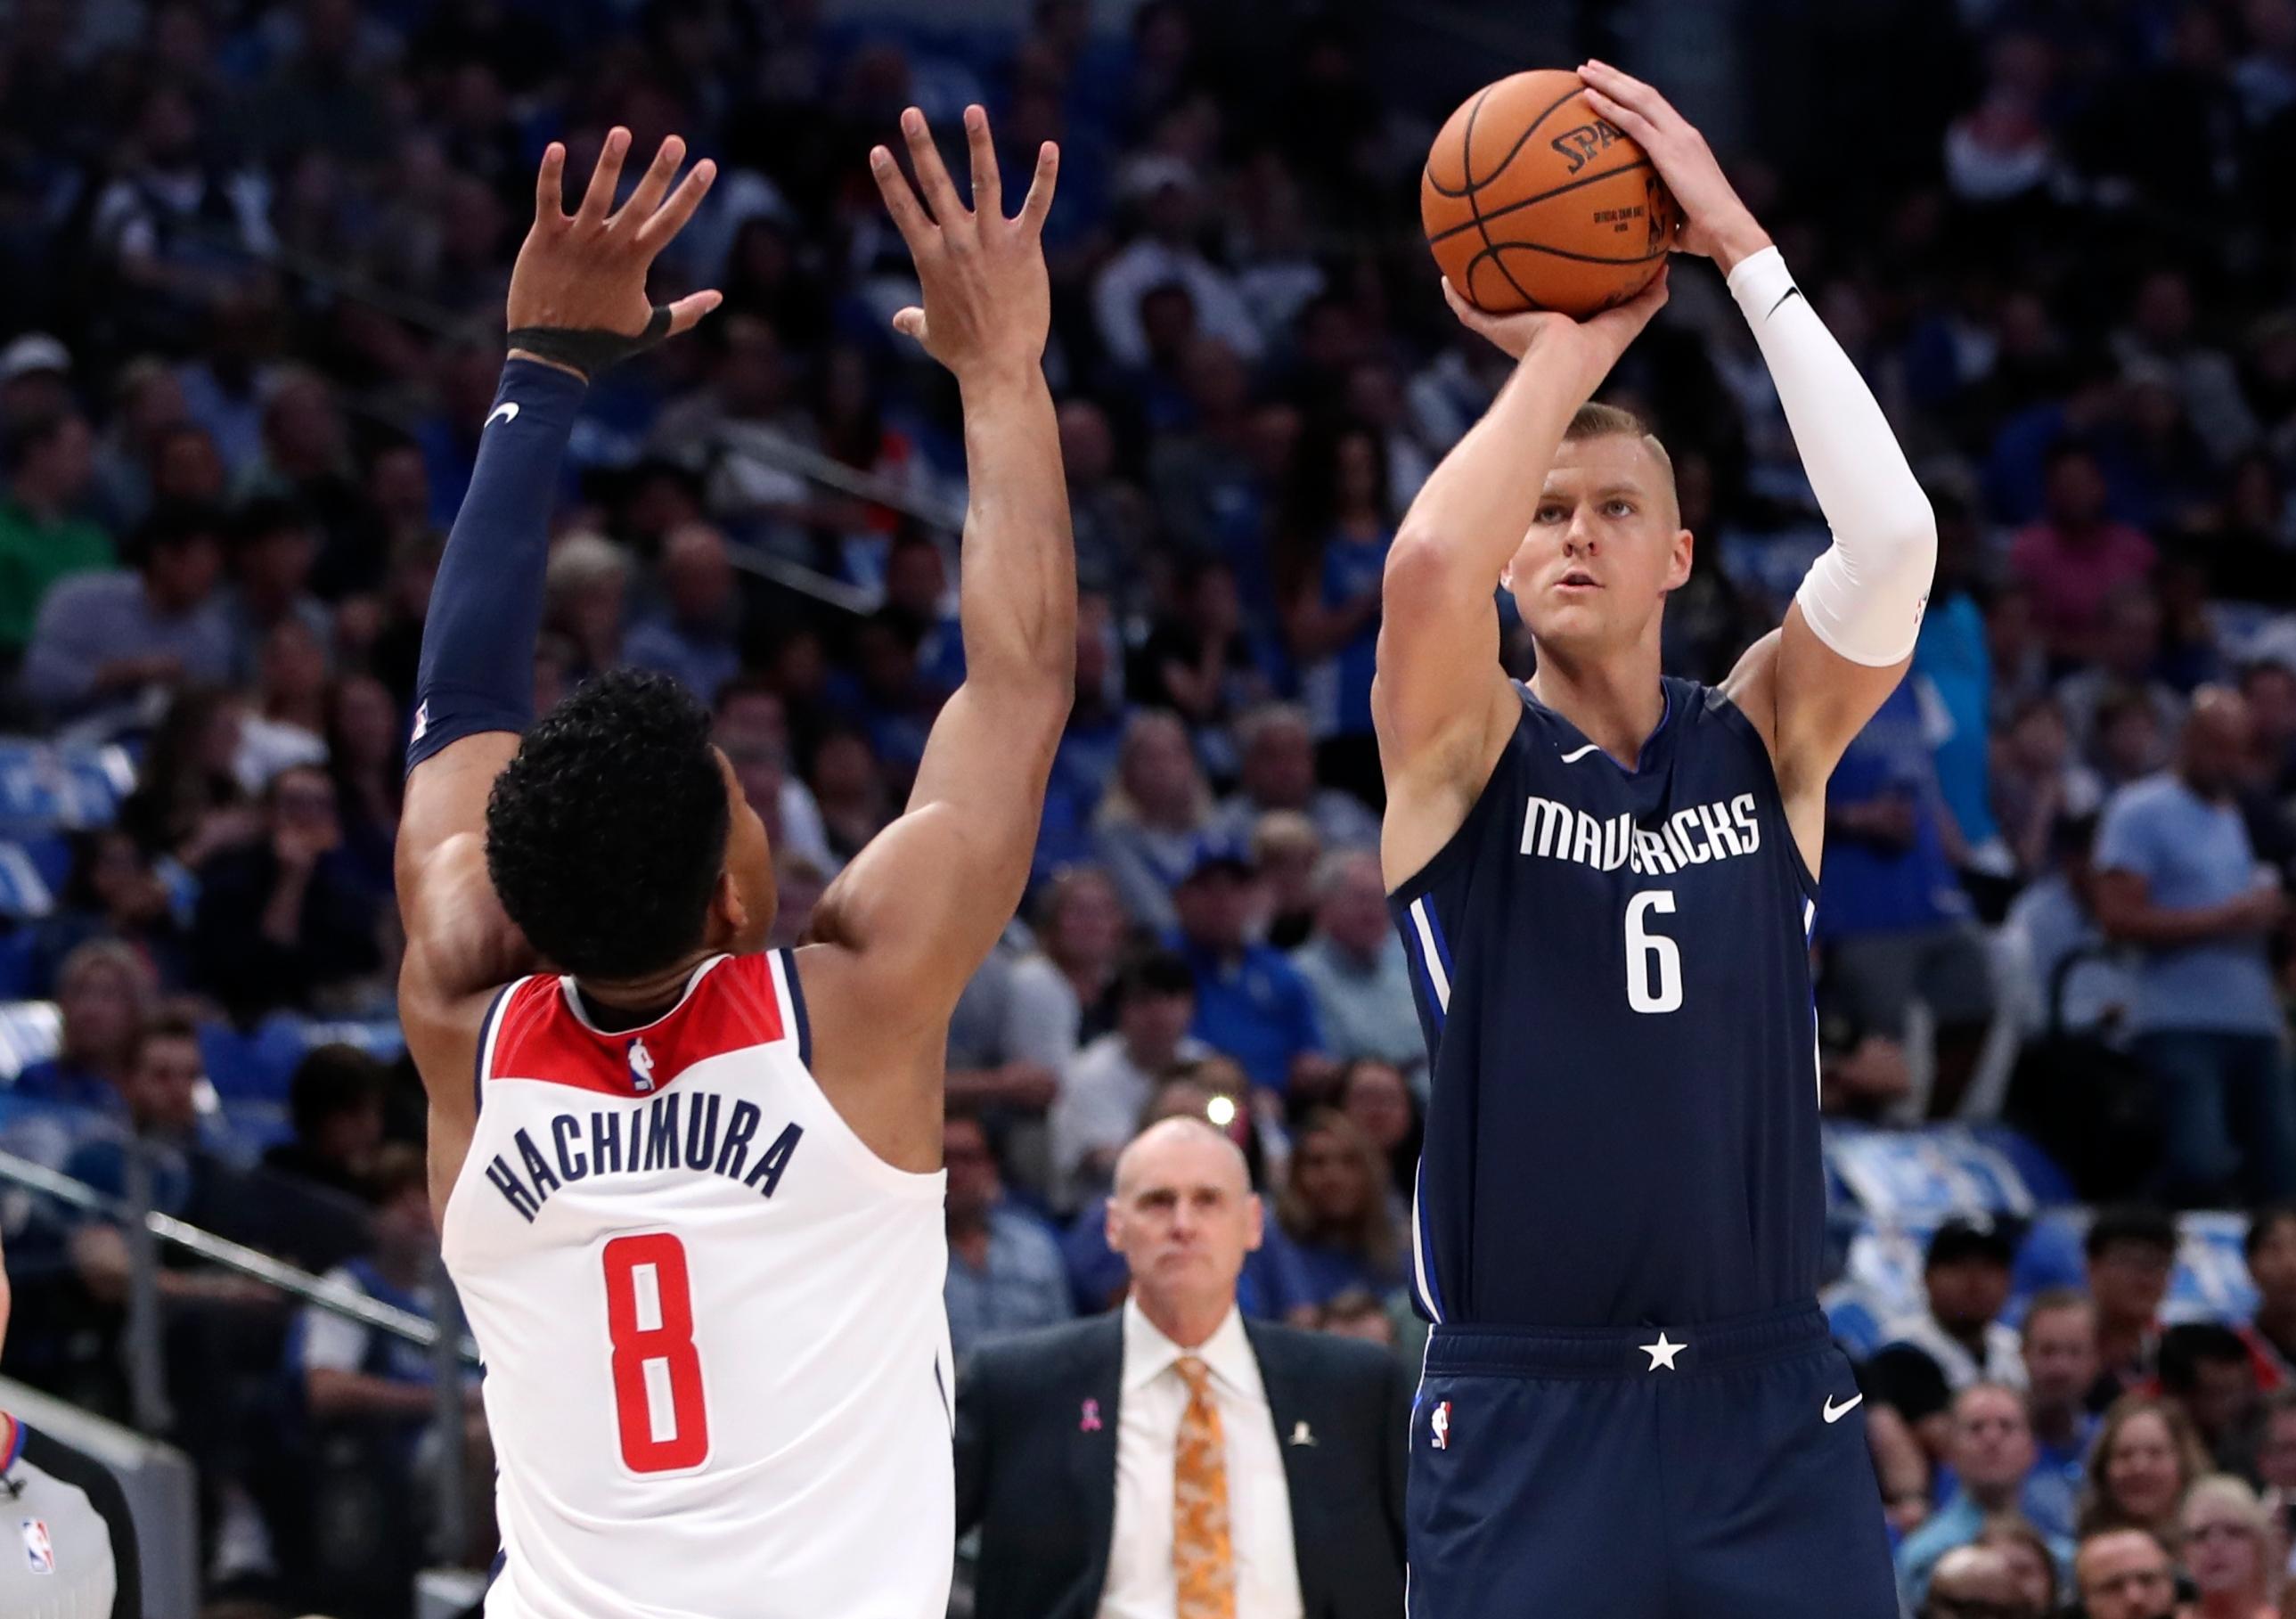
(1715, 224)
(587, 270)
(1587, 347)
(987, 300)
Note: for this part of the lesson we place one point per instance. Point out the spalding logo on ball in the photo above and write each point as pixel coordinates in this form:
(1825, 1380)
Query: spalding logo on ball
(1533, 200)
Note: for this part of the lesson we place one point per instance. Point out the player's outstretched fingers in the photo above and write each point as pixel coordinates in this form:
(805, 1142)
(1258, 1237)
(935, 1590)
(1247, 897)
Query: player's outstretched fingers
(604, 177)
(671, 217)
(1039, 202)
(1645, 133)
(686, 313)
(932, 174)
(909, 218)
(653, 184)
(550, 186)
(988, 185)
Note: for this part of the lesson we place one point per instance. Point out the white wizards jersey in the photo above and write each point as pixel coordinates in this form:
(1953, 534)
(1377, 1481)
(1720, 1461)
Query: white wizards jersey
(717, 1367)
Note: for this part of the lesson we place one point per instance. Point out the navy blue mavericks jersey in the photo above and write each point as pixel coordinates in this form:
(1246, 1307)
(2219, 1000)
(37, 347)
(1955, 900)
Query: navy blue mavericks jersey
(1613, 976)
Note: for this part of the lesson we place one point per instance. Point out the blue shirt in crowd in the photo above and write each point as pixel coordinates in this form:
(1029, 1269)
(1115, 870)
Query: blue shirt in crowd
(1255, 1007)
(1338, 689)
(2192, 853)
(1951, 657)
(1869, 888)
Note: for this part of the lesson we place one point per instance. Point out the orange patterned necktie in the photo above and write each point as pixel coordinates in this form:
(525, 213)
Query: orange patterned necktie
(1203, 1558)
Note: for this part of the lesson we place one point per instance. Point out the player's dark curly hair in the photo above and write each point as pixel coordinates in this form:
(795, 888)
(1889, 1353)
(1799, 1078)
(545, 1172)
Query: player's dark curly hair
(607, 831)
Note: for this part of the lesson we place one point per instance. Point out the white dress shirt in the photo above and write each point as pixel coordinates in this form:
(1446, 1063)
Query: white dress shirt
(1140, 1580)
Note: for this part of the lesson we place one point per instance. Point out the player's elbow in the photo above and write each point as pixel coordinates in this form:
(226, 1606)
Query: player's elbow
(1423, 574)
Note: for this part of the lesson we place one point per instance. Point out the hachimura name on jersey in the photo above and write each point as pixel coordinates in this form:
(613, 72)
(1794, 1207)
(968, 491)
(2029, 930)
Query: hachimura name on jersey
(1614, 978)
(716, 1358)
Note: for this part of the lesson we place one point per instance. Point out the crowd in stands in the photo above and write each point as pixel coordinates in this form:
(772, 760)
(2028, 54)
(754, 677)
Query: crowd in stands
(253, 254)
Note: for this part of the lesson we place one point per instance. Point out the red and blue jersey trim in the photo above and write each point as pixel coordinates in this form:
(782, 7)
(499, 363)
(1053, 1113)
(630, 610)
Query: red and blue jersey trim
(731, 1006)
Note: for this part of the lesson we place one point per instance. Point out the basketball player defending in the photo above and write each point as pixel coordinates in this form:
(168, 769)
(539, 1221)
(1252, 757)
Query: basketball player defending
(690, 1190)
(1631, 1409)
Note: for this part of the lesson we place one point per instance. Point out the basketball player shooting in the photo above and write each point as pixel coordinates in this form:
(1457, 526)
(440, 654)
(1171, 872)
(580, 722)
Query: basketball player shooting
(691, 1190)
(1631, 1407)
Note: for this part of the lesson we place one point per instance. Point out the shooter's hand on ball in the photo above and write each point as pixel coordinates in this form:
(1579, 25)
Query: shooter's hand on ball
(1715, 224)
(1585, 348)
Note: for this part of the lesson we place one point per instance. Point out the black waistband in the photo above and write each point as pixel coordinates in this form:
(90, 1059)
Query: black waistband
(1628, 1351)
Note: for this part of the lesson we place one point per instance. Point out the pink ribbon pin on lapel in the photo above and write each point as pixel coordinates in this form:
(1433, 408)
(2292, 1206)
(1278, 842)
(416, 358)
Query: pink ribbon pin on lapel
(1089, 1421)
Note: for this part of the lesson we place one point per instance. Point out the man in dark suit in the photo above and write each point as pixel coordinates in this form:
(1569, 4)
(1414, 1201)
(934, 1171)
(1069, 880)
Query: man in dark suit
(1171, 1458)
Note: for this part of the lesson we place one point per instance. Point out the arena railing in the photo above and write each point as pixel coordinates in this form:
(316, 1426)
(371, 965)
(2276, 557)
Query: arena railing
(452, 1351)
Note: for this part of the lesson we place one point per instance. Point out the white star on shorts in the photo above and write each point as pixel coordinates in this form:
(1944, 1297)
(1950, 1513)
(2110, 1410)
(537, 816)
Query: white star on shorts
(1662, 1353)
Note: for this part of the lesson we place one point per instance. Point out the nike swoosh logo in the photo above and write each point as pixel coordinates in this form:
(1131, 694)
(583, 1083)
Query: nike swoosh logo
(1576, 754)
(1790, 292)
(1835, 1413)
(507, 411)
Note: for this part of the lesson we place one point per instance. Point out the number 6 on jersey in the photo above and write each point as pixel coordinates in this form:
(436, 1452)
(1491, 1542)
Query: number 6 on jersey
(658, 1404)
(1653, 960)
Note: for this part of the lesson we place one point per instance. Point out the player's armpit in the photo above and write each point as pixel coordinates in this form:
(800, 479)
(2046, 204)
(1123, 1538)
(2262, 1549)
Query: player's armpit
(1822, 700)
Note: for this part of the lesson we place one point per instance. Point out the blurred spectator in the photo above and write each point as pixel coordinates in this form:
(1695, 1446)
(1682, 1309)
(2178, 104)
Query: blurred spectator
(105, 637)
(2060, 1366)
(1992, 1457)
(367, 757)
(1373, 1094)
(2131, 1251)
(697, 640)
(850, 792)
(171, 228)
(2077, 556)
(2032, 1569)
(274, 548)
(1112, 521)
(2038, 784)
(2124, 1574)
(1951, 661)
(2063, 974)
(1331, 558)
(1105, 1086)
(1250, 1002)
(1335, 1207)
(1896, 924)
(104, 993)
(1278, 772)
(2126, 659)
(2178, 879)
(112, 893)
(1357, 1314)
(2230, 1550)
(1004, 1271)
(2208, 1370)
(1154, 820)
(288, 721)
(1062, 993)
(1973, 1581)
(1167, 195)
(1965, 1277)
(752, 728)
(2276, 1458)
(1286, 851)
(162, 1093)
(188, 802)
(369, 1396)
(43, 538)
(917, 594)
(586, 587)
(1356, 966)
(1199, 662)
(2145, 1458)
(335, 1103)
(2269, 1249)
(285, 919)
(2163, 332)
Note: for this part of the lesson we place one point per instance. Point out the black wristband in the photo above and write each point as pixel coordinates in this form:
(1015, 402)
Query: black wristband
(589, 349)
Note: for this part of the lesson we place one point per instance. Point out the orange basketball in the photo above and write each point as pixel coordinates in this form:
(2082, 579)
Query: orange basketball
(1531, 200)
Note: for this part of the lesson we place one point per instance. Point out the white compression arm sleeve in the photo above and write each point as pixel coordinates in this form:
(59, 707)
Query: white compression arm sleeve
(1864, 597)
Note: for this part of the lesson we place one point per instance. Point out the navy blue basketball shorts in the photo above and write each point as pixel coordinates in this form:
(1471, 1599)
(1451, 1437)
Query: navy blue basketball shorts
(1706, 1471)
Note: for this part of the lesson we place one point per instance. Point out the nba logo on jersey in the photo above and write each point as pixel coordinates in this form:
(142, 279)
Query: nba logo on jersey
(1439, 1425)
(640, 1066)
(39, 1549)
